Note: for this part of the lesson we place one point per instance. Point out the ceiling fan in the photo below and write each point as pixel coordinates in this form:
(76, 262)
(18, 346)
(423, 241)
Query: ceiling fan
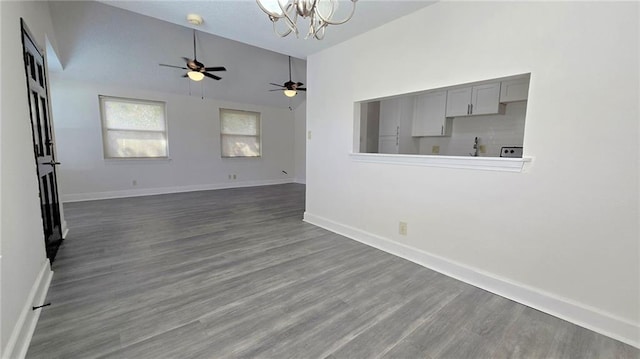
(196, 69)
(289, 88)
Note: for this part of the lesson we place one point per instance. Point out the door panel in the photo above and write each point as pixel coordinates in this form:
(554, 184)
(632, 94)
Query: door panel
(42, 142)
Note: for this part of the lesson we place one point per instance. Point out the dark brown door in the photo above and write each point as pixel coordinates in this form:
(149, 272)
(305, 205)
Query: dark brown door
(42, 141)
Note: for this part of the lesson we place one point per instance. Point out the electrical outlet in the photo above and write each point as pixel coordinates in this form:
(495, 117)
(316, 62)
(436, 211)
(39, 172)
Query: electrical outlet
(402, 228)
(309, 135)
(435, 149)
(482, 148)
(229, 176)
(234, 176)
(134, 182)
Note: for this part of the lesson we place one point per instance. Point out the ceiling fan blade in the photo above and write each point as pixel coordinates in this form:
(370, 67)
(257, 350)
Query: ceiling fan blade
(211, 76)
(177, 67)
(301, 89)
(299, 84)
(219, 68)
(185, 75)
(275, 90)
(271, 83)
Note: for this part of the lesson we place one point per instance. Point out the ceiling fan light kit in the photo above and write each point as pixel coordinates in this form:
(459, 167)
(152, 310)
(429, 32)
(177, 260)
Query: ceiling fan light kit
(319, 12)
(196, 70)
(290, 88)
(195, 75)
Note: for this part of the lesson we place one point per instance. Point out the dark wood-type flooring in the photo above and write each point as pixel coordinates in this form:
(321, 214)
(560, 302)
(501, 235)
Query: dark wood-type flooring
(236, 274)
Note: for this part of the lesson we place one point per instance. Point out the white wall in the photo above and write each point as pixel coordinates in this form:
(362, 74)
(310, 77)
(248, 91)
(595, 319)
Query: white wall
(21, 237)
(300, 150)
(194, 146)
(565, 233)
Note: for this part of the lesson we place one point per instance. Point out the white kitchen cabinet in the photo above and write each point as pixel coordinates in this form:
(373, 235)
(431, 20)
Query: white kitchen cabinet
(514, 90)
(474, 100)
(394, 136)
(485, 99)
(429, 115)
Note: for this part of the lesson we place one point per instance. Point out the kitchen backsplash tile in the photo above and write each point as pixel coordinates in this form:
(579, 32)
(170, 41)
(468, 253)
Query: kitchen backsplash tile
(494, 132)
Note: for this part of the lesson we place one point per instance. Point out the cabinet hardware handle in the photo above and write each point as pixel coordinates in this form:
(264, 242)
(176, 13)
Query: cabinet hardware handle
(397, 135)
(53, 163)
(471, 109)
(442, 130)
(468, 106)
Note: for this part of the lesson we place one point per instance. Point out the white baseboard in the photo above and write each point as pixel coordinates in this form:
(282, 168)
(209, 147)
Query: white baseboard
(77, 197)
(300, 180)
(580, 314)
(20, 338)
(65, 229)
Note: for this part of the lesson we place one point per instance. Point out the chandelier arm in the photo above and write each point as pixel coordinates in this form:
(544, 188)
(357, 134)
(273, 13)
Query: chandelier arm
(291, 9)
(312, 31)
(270, 13)
(319, 33)
(291, 23)
(316, 28)
(329, 22)
(281, 34)
(334, 5)
(308, 7)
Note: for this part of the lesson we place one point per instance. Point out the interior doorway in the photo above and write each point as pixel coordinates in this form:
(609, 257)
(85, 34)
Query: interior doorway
(43, 146)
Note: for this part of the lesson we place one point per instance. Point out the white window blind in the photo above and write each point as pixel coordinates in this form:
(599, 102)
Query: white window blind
(239, 133)
(133, 128)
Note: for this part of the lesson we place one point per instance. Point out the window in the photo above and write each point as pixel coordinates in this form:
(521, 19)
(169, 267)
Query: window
(133, 128)
(239, 133)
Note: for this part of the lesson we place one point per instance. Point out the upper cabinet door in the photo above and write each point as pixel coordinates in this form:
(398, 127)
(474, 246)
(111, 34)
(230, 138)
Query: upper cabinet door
(514, 90)
(485, 99)
(458, 102)
(429, 116)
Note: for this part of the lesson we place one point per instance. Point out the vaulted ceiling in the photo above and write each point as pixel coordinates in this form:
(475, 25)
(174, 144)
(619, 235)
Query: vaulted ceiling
(105, 44)
(243, 21)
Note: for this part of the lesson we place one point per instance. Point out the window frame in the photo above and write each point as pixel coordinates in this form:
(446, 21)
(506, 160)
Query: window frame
(105, 129)
(258, 116)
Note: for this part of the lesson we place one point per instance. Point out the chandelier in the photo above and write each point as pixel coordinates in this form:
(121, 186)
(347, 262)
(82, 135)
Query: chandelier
(319, 12)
